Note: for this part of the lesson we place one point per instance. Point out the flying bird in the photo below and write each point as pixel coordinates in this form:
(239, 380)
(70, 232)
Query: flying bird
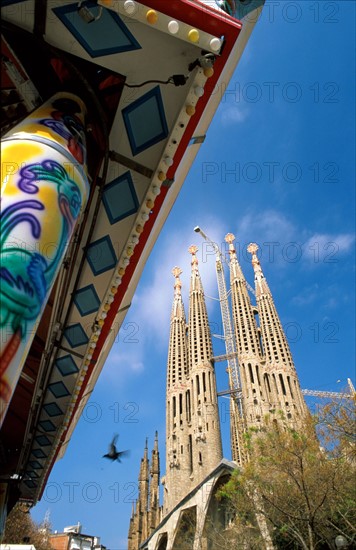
(113, 453)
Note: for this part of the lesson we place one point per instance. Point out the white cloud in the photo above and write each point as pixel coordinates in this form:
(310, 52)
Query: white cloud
(327, 247)
(267, 226)
(306, 296)
(233, 114)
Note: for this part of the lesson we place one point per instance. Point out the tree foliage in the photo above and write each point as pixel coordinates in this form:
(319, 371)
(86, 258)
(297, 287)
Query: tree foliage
(21, 529)
(300, 484)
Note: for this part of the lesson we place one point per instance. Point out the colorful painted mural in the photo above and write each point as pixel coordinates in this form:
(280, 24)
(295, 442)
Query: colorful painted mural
(44, 188)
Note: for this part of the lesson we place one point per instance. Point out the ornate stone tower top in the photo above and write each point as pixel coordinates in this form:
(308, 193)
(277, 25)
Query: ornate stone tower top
(247, 337)
(177, 306)
(177, 368)
(260, 281)
(235, 269)
(200, 346)
(176, 271)
(195, 281)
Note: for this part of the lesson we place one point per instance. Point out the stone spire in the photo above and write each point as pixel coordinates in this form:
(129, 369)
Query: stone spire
(154, 515)
(247, 335)
(143, 485)
(131, 541)
(205, 437)
(178, 397)
(200, 347)
(261, 285)
(177, 352)
(193, 441)
(275, 344)
(247, 343)
(146, 514)
(280, 379)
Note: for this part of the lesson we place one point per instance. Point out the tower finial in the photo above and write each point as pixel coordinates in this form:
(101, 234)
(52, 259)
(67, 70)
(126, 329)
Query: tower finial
(193, 249)
(235, 269)
(176, 271)
(230, 238)
(260, 281)
(252, 249)
(156, 441)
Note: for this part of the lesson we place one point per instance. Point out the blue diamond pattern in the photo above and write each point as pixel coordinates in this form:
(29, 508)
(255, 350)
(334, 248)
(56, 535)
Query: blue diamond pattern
(35, 465)
(101, 255)
(66, 365)
(38, 453)
(120, 199)
(47, 426)
(148, 108)
(43, 440)
(32, 474)
(52, 409)
(104, 36)
(86, 300)
(58, 389)
(31, 484)
(75, 335)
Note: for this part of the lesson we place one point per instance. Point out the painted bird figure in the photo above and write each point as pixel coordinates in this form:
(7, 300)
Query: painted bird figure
(113, 453)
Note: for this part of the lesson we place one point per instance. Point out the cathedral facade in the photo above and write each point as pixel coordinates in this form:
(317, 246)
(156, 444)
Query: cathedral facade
(268, 388)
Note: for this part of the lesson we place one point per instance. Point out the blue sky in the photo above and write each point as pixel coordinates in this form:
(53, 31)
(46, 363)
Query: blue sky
(277, 168)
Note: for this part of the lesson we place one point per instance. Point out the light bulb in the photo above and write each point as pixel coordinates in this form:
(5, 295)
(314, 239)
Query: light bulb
(152, 17)
(130, 7)
(173, 26)
(193, 35)
(199, 91)
(215, 44)
(190, 110)
(168, 161)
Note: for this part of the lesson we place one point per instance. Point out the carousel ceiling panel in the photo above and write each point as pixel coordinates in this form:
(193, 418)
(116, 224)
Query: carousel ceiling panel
(109, 35)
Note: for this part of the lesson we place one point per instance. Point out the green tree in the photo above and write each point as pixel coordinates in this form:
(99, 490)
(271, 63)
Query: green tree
(301, 485)
(21, 529)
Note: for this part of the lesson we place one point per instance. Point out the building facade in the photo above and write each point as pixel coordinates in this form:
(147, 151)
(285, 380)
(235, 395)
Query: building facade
(194, 462)
(72, 538)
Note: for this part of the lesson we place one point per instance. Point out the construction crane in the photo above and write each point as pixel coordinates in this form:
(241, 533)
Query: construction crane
(237, 422)
(333, 394)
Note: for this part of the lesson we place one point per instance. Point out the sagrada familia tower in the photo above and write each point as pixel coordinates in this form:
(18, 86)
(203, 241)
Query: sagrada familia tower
(194, 460)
